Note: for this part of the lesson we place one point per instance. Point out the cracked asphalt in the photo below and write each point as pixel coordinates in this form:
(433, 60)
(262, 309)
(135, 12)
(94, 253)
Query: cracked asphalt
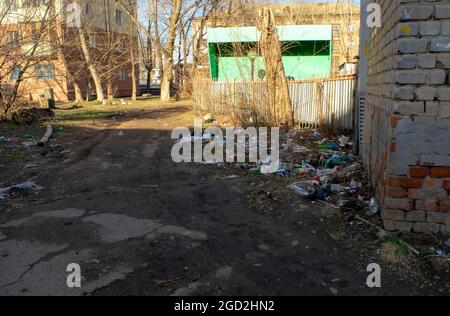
(139, 224)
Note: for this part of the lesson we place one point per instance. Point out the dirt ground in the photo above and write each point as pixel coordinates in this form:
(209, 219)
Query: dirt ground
(139, 224)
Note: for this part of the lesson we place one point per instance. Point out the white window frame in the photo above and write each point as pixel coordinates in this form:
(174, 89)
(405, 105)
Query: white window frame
(122, 75)
(119, 17)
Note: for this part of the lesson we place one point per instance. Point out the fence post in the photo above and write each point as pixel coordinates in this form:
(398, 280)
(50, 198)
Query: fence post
(319, 101)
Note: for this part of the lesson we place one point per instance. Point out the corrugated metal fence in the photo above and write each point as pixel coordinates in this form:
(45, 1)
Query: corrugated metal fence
(314, 102)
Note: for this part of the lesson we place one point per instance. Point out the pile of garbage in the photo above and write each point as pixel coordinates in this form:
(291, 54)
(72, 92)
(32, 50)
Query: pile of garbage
(326, 170)
(320, 168)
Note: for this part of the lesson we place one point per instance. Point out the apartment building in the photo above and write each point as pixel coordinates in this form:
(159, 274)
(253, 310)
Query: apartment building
(45, 37)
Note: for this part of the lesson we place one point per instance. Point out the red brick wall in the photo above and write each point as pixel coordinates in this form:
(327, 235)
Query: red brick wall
(407, 138)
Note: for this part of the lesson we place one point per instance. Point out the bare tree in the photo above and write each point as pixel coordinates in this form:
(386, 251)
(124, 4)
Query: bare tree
(89, 62)
(60, 46)
(133, 57)
(157, 34)
(146, 47)
(174, 10)
(278, 88)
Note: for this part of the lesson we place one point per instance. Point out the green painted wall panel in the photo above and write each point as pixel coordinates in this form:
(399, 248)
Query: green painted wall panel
(238, 68)
(302, 67)
(305, 67)
(301, 60)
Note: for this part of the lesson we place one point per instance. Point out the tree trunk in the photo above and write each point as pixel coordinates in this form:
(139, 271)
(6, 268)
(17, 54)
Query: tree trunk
(91, 66)
(278, 88)
(58, 40)
(133, 62)
(166, 79)
(133, 84)
(149, 80)
(109, 91)
(158, 39)
(62, 57)
(78, 95)
(168, 54)
(168, 50)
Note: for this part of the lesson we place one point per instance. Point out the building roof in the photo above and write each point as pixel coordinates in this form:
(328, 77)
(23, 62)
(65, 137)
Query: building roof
(295, 10)
(287, 33)
(314, 8)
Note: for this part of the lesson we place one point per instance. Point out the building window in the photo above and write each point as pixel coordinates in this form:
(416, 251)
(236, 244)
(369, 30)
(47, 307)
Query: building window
(15, 72)
(11, 5)
(87, 9)
(120, 47)
(13, 37)
(122, 75)
(35, 35)
(92, 40)
(118, 17)
(32, 3)
(45, 72)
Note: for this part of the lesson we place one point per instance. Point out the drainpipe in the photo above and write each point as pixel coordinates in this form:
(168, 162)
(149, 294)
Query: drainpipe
(362, 74)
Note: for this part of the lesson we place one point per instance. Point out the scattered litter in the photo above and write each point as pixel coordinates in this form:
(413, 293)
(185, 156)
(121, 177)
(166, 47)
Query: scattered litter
(336, 188)
(374, 207)
(304, 188)
(320, 194)
(355, 184)
(29, 143)
(348, 171)
(322, 169)
(336, 160)
(234, 176)
(208, 118)
(328, 145)
(343, 141)
(9, 140)
(311, 190)
(269, 169)
(304, 169)
(413, 250)
(299, 149)
(447, 242)
(255, 171)
(194, 138)
(24, 187)
(334, 291)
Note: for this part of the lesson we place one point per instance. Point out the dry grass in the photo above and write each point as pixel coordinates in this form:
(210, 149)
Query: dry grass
(394, 251)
